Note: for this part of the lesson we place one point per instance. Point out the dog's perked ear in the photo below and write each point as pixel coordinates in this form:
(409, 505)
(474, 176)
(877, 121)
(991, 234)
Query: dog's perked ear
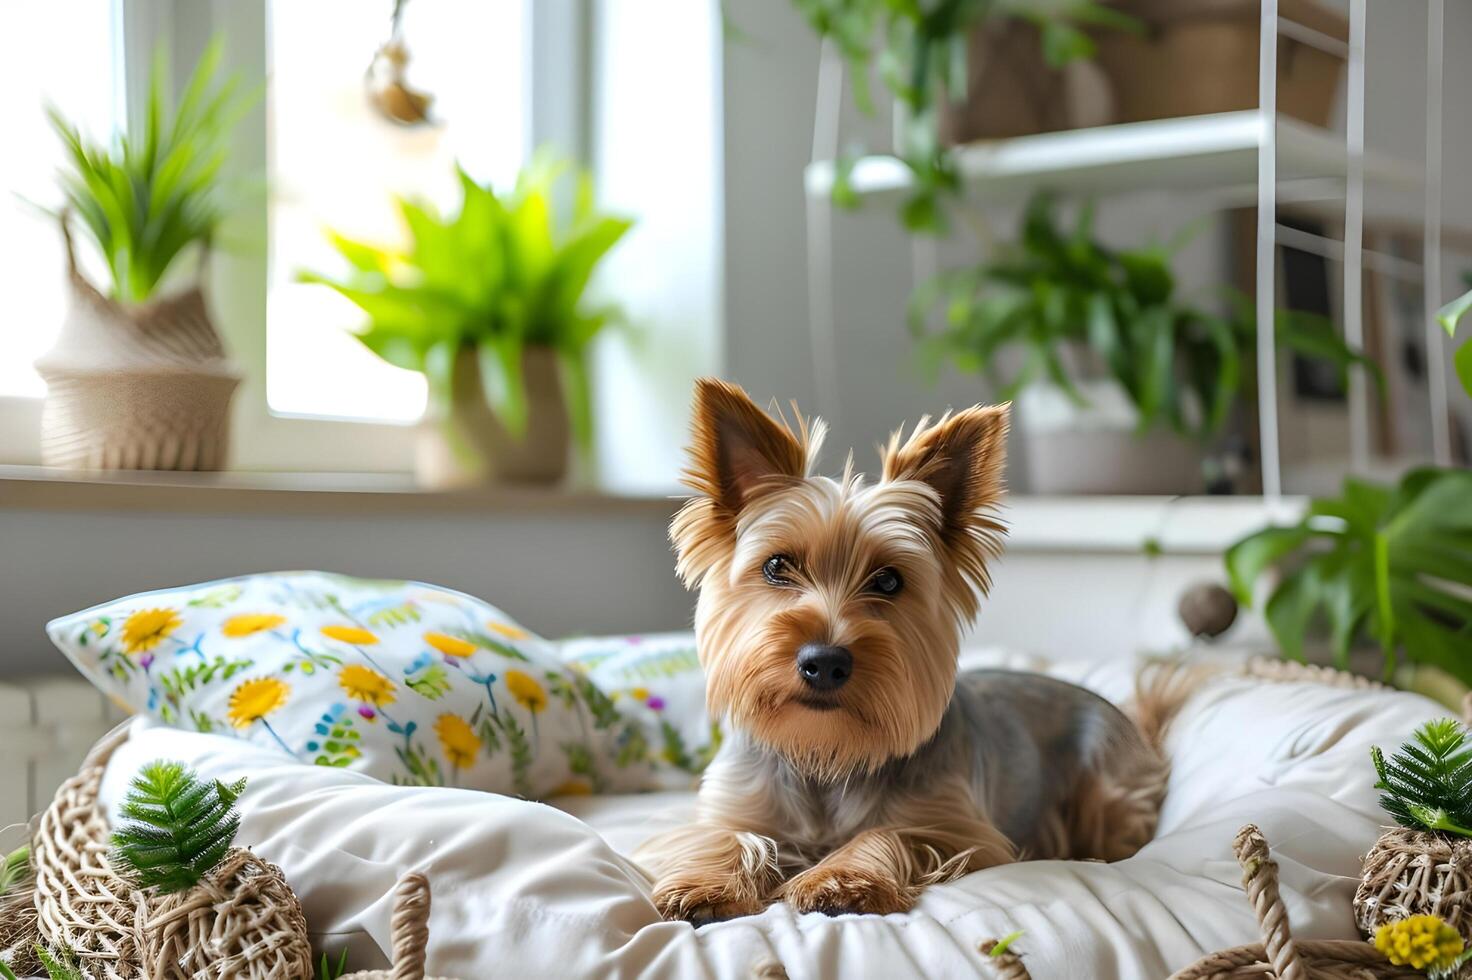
(737, 453)
(963, 458)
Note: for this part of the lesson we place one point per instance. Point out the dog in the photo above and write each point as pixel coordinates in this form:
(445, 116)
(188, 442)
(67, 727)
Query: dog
(858, 767)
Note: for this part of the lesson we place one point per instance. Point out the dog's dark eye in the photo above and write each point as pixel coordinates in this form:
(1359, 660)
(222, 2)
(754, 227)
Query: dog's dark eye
(777, 570)
(886, 581)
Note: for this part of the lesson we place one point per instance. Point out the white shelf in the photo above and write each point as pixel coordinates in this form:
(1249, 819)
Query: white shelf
(1195, 153)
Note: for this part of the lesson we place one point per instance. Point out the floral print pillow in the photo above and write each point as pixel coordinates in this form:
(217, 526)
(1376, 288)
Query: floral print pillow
(410, 683)
(656, 682)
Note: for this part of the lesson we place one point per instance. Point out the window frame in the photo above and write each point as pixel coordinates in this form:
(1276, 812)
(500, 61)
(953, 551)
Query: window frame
(557, 74)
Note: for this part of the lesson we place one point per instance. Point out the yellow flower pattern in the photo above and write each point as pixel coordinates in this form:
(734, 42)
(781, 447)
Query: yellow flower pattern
(1423, 942)
(147, 628)
(458, 739)
(508, 630)
(406, 682)
(450, 646)
(249, 624)
(356, 635)
(367, 685)
(527, 691)
(254, 699)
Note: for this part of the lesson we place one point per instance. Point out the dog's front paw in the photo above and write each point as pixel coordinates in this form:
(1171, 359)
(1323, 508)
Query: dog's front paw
(700, 902)
(835, 890)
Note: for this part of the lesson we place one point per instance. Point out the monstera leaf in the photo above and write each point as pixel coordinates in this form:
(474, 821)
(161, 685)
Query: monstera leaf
(1449, 316)
(1393, 564)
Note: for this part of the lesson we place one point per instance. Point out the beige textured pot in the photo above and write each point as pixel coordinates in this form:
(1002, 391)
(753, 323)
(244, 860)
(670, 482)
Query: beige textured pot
(466, 445)
(135, 386)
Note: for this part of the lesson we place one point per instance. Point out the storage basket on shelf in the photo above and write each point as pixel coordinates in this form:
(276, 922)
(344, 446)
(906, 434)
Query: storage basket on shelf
(144, 386)
(1201, 56)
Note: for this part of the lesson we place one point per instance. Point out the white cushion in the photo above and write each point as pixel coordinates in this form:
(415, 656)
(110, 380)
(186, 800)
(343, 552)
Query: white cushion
(523, 889)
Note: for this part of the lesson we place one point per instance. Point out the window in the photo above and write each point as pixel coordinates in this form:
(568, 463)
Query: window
(68, 58)
(336, 163)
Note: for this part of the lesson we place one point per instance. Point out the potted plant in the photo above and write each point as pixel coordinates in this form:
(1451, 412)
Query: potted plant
(1200, 56)
(1378, 566)
(962, 70)
(1122, 384)
(1424, 866)
(490, 304)
(138, 377)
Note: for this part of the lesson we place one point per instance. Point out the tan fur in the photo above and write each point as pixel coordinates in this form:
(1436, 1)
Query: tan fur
(825, 793)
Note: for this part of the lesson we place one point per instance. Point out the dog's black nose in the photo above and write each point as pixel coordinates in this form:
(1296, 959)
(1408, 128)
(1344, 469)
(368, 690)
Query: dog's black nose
(824, 668)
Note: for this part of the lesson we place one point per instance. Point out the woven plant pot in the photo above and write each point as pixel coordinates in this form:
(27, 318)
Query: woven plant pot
(135, 386)
(242, 922)
(1011, 90)
(1200, 56)
(1410, 872)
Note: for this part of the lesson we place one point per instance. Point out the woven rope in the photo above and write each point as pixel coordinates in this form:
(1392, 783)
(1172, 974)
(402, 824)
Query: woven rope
(1279, 954)
(1008, 966)
(241, 921)
(1292, 671)
(410, 926)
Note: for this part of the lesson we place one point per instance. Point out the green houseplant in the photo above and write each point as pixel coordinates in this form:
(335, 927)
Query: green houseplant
(1391, 565)
(139, 378)
(490, 303)
(1092, 321)
(1450, 316)
(921, 52)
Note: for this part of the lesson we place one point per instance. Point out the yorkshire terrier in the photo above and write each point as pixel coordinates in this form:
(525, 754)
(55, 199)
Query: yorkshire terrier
(858, 767)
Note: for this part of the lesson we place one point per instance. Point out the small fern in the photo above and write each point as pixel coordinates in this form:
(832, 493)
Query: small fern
(179, 826)
(59, 965)
(14, 868)
(1427, 784)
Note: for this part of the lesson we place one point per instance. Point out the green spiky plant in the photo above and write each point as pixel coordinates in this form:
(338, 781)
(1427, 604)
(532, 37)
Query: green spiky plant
(178, 826)
(14, 868)
(155, 189)
(1427, 783)
(509, 270)
(59, 964)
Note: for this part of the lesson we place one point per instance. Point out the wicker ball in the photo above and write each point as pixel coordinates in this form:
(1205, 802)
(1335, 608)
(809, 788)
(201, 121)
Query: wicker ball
(242, 920)
(1207, 609)
(1411, 872)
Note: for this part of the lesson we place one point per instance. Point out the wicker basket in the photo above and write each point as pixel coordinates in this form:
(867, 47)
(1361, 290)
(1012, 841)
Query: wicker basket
(1200, 56)
(135, 387)
(241, 922)
(1410, 872)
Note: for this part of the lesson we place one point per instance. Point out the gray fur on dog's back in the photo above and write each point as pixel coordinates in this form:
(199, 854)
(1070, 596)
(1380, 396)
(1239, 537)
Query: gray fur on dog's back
(1028, 739)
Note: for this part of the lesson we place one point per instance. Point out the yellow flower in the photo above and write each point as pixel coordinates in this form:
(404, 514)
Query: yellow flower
(355, 635)
(525, 689)
(640, 693)
(1422, 942)
(146, 629)
(366, 684)
(255, 699)
(247, 624)
(450, 646)
(573, 787)
(507, 630)
(458, 740)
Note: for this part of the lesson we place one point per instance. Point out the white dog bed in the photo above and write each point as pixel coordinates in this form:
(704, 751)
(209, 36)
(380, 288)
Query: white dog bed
(528, 890)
